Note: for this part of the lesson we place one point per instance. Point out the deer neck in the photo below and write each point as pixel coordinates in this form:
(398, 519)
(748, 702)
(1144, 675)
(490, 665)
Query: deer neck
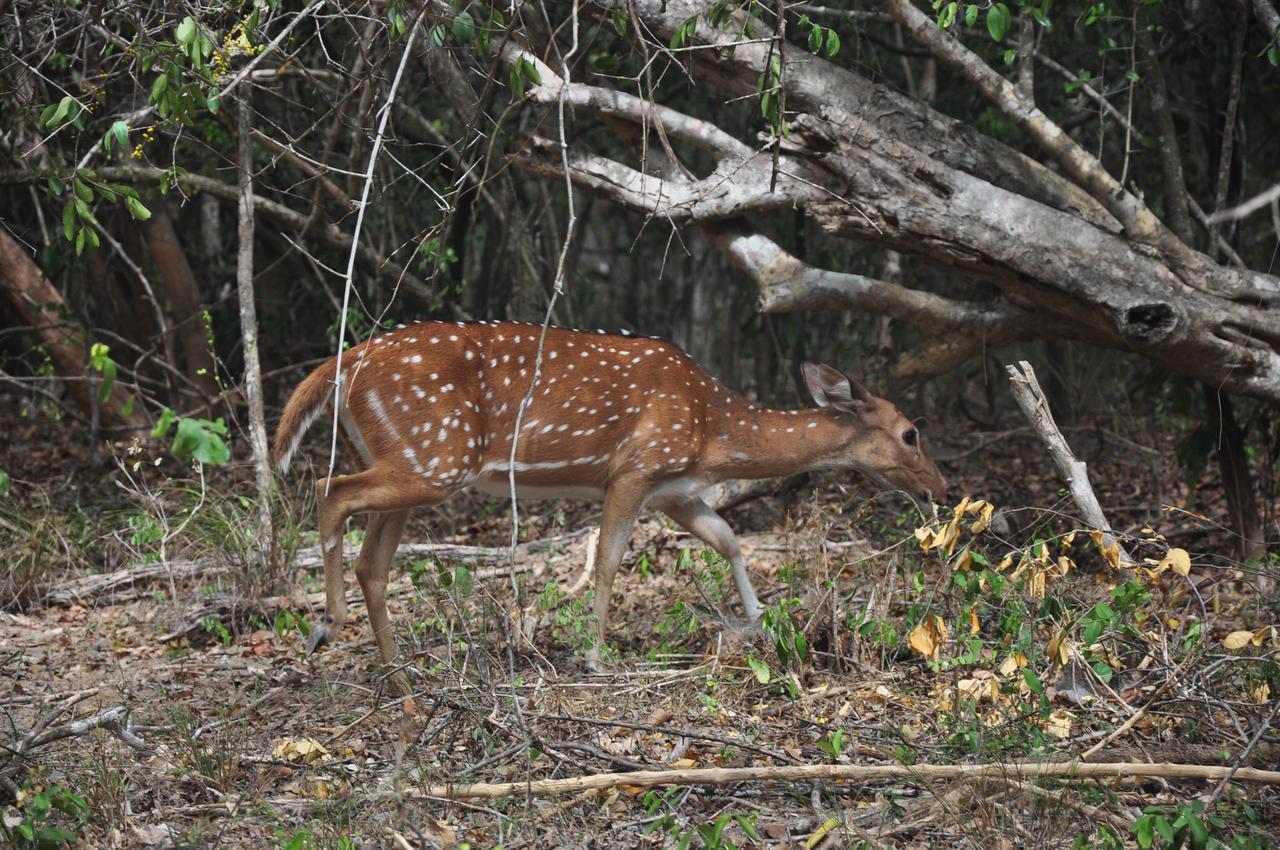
(747, 441)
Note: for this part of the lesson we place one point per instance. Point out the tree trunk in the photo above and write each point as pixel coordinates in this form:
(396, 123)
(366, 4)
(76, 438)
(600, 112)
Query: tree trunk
(266, 538)
(182, 292)
(33, 297)
(1236, 481)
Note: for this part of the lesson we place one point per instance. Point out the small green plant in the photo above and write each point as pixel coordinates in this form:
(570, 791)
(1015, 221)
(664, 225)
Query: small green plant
(194, 439)
(37, 809)
(833, 744)
(781, 622)
(214, 626)
(574, 624)
(712, 835)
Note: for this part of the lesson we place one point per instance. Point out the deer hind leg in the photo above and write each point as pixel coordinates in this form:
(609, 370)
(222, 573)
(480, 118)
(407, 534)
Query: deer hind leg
(697, 517)
(380, 542)
(376, 490)
(621, 507)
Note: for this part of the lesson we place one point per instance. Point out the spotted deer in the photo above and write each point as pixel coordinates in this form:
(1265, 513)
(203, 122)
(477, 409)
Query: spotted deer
(432, 408)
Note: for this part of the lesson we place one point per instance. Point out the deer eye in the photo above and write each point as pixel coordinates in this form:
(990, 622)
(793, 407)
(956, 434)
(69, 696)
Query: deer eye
(910, 437)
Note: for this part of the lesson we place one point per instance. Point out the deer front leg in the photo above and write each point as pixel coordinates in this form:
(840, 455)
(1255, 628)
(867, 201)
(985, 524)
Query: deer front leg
(622, 503)
(697, 517)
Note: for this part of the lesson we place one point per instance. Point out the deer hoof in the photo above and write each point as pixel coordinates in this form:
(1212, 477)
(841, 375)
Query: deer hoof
(322, 632)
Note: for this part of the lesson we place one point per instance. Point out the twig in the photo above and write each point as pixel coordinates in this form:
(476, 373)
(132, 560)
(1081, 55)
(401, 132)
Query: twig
(355, 240)
(847, 773)
(1253, 742)
(1139, 714)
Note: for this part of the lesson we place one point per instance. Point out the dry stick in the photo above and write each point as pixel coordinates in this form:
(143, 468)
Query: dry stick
(847, 773)
(1027, 392)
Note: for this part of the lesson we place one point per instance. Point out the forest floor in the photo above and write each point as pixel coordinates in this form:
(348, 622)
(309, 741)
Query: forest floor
(154, 696)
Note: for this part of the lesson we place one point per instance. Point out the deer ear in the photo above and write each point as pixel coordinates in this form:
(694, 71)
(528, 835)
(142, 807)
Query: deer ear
(832, 388)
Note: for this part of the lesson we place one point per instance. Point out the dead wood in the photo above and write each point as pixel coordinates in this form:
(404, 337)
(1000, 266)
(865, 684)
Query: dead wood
(845, 773)
(1034, 405)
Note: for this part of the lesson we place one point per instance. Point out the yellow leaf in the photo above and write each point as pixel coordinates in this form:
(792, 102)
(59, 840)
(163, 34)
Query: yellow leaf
(927, 537)
(1260, 635)
(928, 636)
(1059, 649)
(1013, 663)
(983, 522)
(1238, 640)
(1177, 560)
(974, 625)
(1059, 724)
(1068, 539)
(681, 764)
(1260, 693)
(962, 507)
(821, 833)
(302, 751)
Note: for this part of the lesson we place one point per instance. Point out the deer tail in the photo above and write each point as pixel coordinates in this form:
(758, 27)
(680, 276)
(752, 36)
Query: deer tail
(305, 406)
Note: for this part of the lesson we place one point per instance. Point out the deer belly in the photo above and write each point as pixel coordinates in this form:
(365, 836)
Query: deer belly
(563, 479)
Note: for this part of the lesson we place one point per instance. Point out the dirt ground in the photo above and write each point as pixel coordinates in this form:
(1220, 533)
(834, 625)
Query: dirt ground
(177, 706)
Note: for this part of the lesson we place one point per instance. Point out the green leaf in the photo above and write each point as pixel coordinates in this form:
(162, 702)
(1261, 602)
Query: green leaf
(69, 220)
(1032, 680)
(159, 87)
(998, 18)
(1273, 53)
(4, 484)
(815, 39)
(515, 80)
(970, 15)
(46, 114)
(137, 209)
(64, 106)
(760, 669)
(1163, 828)
(82, 190)
(620, 20)
(438, 35)
(833, 44)
(464, 27)
(80, 241)
(164, 423)
(185, 32)
(108, 381)
(1143, 831)
(462, 580)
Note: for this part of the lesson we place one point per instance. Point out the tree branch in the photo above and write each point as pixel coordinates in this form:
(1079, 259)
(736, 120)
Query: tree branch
(329, 233)
(1139, 223)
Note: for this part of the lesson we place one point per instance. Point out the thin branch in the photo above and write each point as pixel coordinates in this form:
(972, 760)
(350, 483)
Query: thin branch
(241, 76)
(355, 240)
(329, 234)
(1239, 211)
